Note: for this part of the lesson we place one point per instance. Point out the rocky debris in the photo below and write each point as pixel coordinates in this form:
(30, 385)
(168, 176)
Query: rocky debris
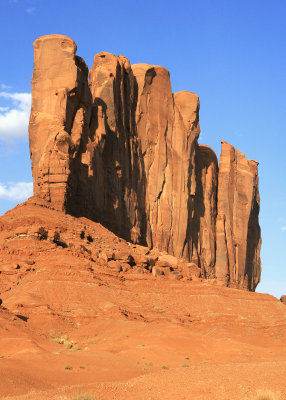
(283, 299)
(238, 238)
(115, 145)
(192, 271)
(115, 265)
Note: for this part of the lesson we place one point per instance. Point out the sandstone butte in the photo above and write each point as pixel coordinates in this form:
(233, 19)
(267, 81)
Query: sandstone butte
(115, 145)
(120, 278)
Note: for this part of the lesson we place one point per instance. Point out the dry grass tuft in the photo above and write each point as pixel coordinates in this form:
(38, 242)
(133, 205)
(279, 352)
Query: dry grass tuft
(265, 395)
(84, 397)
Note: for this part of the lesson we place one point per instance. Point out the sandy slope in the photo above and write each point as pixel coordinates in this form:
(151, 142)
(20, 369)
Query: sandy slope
(125, 335)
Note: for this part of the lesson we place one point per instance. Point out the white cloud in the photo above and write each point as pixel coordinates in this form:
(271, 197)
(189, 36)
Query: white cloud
(16, 191)
(5, 87)
(2, 109)
(14, 120)
(283, 228)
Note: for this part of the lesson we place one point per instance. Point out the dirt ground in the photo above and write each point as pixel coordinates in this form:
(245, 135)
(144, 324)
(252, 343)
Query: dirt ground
(71, 325)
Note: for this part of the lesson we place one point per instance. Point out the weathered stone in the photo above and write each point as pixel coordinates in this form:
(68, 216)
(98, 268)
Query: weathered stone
(117, 146)
(162, 264)
(169, 261)
(192, 271)
(237, 229)
(60, 103)
(157, 271)
(112, 155)
(283, 299)
(200, 243)
(124, 256)
(114, 265)
(168, 128)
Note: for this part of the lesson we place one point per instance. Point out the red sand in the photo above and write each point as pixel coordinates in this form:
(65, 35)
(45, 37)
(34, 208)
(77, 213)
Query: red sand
(124, 335)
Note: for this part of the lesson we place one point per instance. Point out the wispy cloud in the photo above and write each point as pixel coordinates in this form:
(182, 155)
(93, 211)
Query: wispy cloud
(2, 109)
(14, 119)
(30, 10)
(16, 191)
(5, 87)
(283, 228)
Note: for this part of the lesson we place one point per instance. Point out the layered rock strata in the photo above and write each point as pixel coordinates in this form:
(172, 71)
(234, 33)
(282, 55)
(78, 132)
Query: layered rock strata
(117, 146)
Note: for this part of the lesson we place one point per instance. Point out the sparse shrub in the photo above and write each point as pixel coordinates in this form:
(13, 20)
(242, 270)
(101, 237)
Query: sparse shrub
(89, 238)
(63, 340)
(42, 233)
(84, 397)
(265, 395)
(68, 367)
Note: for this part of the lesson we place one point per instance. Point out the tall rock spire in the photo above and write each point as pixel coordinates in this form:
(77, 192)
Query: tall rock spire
(238, 238)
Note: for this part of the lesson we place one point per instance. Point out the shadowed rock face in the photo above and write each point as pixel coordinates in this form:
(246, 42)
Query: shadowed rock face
(237, 230)
(120, 148)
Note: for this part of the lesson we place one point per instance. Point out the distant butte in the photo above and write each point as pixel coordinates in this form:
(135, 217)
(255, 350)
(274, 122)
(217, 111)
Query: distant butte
(115, 145)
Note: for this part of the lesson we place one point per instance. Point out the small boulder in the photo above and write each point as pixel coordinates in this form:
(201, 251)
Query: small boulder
(125, 267)
(157, 271)
(140, 259)
(104, 256)
(114, 265)
(192, 271)
(162, 264)
(102, 262)
(283, 299)
(169, 260)
(124, 256)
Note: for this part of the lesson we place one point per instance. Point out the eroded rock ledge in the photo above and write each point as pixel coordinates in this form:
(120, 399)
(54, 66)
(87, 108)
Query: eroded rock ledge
(117, 146)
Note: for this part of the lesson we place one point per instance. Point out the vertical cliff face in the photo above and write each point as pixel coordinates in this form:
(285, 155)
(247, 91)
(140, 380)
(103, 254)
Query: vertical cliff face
(237, 228)
(203, 219)
(60, 102)
(119, 147)
(112, 155)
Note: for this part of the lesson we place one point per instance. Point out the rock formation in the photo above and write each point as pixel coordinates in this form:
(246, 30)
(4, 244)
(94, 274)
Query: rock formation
(237, 230)
(60, 106)
(120, 148)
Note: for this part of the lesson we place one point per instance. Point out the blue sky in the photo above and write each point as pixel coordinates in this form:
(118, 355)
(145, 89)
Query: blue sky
(230, 52)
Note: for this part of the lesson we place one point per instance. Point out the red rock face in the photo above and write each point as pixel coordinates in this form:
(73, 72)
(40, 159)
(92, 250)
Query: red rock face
(60, 104)
(120, 148)
(237, 229)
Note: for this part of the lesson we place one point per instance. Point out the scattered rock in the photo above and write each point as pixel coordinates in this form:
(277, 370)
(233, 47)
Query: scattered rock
(114, 265)
(168, 261)
(157, 271)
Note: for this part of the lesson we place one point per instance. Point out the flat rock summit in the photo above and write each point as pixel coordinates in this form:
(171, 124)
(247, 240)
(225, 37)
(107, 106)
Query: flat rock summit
(130, 274)
(115, 145)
